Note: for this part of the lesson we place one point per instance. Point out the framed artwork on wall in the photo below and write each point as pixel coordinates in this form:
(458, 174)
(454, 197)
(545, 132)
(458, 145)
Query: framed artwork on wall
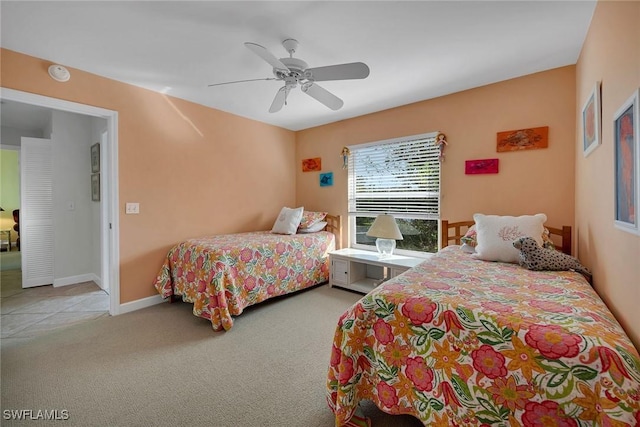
(475, 167)
(626, 141)
(523, 139)
(95, 158)
(591, 120)
(311, 165)
(326, 179)
(95, 187)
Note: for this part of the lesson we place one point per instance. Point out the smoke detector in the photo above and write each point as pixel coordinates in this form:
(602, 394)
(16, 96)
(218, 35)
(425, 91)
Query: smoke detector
(59, 73)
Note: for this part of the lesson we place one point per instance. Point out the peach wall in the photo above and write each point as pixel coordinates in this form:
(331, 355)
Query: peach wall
(194, 170)
(528, 182)
(610, 54)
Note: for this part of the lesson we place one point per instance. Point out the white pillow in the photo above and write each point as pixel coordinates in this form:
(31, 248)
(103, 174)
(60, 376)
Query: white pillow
(497, 233)
(288, 221)
(318, 226)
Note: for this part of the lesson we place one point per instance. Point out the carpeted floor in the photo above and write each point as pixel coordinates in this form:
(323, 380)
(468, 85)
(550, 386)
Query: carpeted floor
(162, 366)
(10, 260)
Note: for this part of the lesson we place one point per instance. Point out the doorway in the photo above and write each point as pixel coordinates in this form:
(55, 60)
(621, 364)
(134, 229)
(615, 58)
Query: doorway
(109, 220)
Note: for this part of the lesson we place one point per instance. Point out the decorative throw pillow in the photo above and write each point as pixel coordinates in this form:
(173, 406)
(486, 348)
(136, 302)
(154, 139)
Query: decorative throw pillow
(496, 234)
(288, 221)
(547, 243)
(310, 218)
(470, 237)
(318, 226)
(470, 240)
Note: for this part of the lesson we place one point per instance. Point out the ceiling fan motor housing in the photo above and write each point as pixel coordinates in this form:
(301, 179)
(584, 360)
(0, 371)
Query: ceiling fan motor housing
(296, 68)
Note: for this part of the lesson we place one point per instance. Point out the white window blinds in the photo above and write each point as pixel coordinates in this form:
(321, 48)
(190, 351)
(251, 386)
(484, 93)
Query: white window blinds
(400, 177)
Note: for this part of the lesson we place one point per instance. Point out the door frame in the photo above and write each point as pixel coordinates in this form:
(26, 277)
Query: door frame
(109, 215)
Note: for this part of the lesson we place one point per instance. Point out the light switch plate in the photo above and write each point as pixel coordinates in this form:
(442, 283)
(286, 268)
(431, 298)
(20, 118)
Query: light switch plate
(132, 208)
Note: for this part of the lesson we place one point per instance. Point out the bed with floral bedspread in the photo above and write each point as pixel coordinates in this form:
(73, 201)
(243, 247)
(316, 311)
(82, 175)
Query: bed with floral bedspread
(222, 275)
(459, 341)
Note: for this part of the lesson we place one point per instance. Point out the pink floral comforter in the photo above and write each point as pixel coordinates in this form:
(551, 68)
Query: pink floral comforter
(221, 275)
(458, 341)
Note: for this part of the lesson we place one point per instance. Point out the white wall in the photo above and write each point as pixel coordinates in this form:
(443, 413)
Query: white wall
(11, 136)
(48, 128)
(73, 209)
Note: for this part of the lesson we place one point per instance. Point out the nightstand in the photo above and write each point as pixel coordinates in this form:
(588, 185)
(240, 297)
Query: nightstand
(362, 271)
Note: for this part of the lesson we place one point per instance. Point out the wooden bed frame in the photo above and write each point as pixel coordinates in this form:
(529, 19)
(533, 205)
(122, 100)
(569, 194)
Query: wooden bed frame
(334, 225)
(460, 228)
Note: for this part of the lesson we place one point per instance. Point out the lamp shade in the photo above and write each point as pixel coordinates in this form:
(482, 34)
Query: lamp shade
(385, 227)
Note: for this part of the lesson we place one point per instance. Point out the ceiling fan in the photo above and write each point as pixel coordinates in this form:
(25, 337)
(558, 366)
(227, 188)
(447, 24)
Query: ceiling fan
(293, 72)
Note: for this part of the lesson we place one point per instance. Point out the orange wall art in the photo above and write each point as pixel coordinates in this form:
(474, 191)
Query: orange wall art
(523, 139)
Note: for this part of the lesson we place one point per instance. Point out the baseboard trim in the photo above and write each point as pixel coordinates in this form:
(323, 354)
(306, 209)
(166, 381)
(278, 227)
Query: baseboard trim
(98, 281)
(72, 280)
(128, 307)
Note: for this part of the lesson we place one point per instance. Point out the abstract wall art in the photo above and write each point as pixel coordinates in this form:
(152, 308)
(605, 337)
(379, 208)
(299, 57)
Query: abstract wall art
(326, 179)
(481, 166)
(523, 139)
(312, 165)
(626, 142)
(591, 117)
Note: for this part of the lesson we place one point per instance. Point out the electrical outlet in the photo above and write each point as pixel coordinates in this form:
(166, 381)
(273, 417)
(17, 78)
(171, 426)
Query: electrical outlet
(132, 208)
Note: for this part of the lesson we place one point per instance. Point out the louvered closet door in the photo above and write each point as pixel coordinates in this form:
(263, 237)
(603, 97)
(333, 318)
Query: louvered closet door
(36, 212)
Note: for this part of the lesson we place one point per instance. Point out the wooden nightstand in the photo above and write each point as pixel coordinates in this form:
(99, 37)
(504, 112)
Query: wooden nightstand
(362, 271)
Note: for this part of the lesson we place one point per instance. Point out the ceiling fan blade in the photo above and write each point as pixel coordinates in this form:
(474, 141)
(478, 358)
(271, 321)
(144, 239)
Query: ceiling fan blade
(353, 70)
(279, 100)
(241, 81)
(263, 53)
(323, 96)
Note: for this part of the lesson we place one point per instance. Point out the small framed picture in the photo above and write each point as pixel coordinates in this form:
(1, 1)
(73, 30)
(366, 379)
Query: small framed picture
(95, 158)
(310, 165)
(626, 142)
(326, 179)
(95, 187)
(591, 120)
(523, 139)
(474, 167)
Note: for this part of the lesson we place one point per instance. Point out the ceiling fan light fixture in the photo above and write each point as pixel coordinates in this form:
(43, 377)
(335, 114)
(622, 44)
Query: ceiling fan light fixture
(59, 73)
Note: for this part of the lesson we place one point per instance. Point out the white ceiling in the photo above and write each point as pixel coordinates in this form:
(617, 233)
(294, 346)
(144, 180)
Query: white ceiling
(416, 50)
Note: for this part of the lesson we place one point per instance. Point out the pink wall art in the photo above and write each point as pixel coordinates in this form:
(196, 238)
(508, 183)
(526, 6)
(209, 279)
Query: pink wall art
(474, 167)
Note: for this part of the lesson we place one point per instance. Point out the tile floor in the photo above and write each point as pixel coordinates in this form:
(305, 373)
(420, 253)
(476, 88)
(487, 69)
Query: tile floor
(25, 313)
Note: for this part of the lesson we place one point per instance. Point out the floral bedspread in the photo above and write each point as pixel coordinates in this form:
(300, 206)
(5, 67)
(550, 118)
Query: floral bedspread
(221, 275)
(459, 341)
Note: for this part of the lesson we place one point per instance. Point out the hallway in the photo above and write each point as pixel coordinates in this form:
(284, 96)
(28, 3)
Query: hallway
(28, 312)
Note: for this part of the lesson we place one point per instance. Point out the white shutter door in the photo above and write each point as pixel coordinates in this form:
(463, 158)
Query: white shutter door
(36, 212)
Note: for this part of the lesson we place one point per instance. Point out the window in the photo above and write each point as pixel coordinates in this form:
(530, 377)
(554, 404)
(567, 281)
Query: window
(400, 177)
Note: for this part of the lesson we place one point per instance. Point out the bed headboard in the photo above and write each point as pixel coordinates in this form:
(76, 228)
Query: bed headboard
(460, 228)
(334, 225)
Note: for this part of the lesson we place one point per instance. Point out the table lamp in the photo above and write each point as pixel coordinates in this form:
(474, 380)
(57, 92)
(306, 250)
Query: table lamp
(386, 231)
